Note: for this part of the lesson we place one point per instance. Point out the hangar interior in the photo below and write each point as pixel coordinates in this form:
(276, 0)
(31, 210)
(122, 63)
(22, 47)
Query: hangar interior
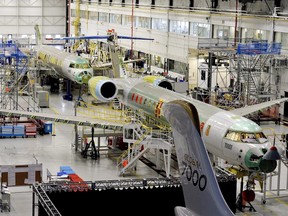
(230, 53)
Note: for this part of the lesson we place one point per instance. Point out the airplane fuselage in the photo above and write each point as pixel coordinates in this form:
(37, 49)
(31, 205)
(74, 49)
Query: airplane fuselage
(221, 130)
(66, 64)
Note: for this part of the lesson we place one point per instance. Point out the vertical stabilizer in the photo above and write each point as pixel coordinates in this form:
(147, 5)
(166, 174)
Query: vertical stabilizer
(38, 37)
(117, 65)
(201, 191)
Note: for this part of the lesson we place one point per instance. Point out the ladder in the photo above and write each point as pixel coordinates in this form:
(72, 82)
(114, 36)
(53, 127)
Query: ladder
(45, 201)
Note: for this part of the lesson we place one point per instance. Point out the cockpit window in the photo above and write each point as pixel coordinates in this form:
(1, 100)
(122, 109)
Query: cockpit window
(85, 66)
(246, 137)
(234, 135)
(261, 137)
(72, 65)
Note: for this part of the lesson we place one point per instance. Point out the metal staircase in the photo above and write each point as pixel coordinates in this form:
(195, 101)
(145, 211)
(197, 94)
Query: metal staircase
(140, 140)
(45, 200)
(279, 140)
(284, 160)
(251, 69)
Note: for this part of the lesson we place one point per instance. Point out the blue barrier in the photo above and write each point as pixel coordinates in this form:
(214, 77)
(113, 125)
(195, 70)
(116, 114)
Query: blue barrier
(259, 48)
(11, 50)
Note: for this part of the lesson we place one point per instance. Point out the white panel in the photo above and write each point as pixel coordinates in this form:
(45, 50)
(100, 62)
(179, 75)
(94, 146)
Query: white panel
(29, 30)
(19, 16)
(54, 3)
(8, 29)
(193, 71)
(54, 11)
(29, 21)
(54, 21)
(182, 3)
(281, 25)
(8, 20)
(32, 11)
(30, 3)
(8, 11)
(53, 30)
(8, 3)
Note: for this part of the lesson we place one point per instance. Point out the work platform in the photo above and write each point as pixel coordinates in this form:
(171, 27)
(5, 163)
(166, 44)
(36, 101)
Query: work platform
(163, 195)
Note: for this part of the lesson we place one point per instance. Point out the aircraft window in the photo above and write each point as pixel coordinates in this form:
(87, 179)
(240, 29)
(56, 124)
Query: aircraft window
(261, 137)
(85, 66)
(233, 135)
(249, 138)
(72, 65)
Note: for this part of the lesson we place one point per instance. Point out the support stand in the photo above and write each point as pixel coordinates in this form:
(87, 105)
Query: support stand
(80, 101)
(94, 154)
(68, 96)
(240, 202)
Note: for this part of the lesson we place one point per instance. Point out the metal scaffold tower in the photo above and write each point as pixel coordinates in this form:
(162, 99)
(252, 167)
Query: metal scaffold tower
(256, 80)
(14, 66)
(245, 71)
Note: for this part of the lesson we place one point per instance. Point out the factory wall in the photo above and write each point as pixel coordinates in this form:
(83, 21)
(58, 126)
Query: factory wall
(19, 17)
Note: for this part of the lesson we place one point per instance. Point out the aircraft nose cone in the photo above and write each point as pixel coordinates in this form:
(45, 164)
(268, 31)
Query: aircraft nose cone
(255, 161)
(267, 166)
(85, 79)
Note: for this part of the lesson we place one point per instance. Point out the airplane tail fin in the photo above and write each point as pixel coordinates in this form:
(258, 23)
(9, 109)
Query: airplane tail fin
(38, 36)
(118, 69)
(200, 188)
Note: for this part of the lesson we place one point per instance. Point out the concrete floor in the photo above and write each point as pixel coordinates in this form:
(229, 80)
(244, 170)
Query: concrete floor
(56, 151)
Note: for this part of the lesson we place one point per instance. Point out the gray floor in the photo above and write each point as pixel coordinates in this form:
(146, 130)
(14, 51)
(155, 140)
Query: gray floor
(56, 151)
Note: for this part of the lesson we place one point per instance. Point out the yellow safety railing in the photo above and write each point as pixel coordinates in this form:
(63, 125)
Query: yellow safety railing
(104, 113)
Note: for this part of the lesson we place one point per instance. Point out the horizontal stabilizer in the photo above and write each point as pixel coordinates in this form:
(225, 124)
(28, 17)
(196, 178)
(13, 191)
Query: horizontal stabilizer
(181, 211)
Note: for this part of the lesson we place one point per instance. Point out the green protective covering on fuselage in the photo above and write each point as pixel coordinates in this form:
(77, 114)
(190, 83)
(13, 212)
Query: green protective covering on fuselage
(81, 61)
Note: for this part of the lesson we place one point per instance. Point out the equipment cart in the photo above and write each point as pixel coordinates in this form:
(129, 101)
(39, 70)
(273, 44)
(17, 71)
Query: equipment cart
(5, 201)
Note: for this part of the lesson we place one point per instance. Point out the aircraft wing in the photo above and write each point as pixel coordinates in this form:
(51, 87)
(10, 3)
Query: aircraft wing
(256, 107)
(102, 65)
(79, 120)
(135, 38)
(98, 37)
(80, 38)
